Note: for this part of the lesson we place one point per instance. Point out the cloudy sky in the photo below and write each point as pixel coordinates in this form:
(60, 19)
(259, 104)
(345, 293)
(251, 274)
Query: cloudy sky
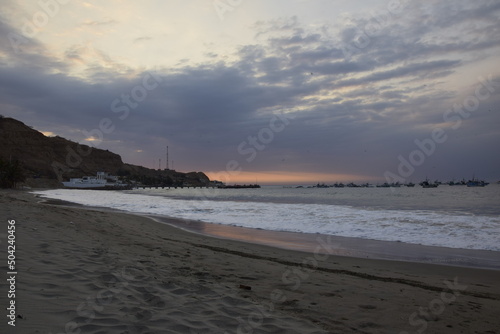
(275, 91)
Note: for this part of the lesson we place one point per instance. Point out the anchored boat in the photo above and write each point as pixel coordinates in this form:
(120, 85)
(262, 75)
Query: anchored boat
(102, 181)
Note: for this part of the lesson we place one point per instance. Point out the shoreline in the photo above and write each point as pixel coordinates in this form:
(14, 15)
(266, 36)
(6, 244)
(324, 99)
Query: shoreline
(344, 246)
(306, 242)
(94, 270)
(438, 229)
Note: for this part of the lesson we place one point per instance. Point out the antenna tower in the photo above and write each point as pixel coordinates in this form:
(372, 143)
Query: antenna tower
(167, 157)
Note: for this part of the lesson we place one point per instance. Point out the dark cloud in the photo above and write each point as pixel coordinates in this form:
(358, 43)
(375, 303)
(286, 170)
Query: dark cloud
(25, 53)
(351, 113)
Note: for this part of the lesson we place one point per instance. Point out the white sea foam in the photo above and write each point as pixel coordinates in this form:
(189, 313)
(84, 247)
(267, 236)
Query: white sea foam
(411, 226)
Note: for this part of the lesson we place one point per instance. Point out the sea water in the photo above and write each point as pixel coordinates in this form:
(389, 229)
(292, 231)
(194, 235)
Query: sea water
(447, 216)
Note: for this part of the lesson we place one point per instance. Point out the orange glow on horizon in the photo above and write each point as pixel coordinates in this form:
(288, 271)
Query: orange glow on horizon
(277, 177)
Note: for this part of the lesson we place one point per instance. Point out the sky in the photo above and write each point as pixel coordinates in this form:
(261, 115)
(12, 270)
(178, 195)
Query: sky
(274, 92)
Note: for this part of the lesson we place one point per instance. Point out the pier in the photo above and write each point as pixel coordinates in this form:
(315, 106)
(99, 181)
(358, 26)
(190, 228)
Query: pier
(170, 187)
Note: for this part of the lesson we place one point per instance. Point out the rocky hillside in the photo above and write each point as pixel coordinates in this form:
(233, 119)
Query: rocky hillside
(55, 159)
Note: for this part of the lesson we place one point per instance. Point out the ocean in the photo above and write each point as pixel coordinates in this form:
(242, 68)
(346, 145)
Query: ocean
(447, 216)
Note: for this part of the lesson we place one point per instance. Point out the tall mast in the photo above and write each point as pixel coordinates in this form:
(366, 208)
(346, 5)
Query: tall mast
(167, 157)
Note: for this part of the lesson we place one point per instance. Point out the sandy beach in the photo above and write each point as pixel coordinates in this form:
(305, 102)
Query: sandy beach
(82, 270)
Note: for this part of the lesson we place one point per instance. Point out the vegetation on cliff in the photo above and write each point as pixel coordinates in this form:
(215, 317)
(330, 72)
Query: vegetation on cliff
(11, 173)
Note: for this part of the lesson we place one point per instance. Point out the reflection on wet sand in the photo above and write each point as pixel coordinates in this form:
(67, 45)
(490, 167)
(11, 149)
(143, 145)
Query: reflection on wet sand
(342, 246)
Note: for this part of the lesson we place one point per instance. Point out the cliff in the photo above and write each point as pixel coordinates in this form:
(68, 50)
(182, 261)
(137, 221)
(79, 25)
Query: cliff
(55, 159)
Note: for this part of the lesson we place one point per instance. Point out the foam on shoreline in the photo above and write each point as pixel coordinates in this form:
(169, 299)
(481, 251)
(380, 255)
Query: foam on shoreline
(460, 231)
(343, 246)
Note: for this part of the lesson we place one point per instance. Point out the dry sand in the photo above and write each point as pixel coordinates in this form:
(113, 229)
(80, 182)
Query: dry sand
(82, 270)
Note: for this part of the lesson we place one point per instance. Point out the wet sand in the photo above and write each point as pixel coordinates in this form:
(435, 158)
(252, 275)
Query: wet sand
(83, 270)
(344, 246)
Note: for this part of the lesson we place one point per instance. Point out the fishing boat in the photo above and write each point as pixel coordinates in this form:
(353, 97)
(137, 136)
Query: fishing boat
(476, 183)
(102, 181)
(427, 184)
(460, 183)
